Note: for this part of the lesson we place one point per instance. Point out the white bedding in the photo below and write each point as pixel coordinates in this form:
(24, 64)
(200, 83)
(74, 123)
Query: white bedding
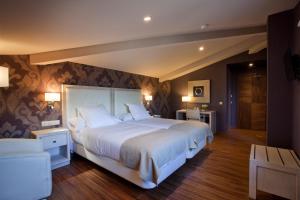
(161, 123)
(182, 125)
(76, 137)
(107, 141)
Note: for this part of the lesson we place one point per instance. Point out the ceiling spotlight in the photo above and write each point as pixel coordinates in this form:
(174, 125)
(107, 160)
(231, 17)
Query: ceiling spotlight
(201, 48)
(251, 65)
(147, 19)
(204, 26)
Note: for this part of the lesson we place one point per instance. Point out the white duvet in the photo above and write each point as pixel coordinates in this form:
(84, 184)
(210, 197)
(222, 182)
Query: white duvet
(156, 122)
(107, 141)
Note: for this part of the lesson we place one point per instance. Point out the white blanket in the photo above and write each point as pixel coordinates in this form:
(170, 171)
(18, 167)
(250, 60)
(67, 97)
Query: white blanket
(163, 123)
(156, 122)
(107, 141)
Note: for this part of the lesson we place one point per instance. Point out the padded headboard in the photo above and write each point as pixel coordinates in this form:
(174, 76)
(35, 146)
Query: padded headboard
(114, 99)
(75, 96)
(123, 97)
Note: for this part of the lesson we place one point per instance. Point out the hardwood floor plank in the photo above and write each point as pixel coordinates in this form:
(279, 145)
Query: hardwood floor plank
(220, 171)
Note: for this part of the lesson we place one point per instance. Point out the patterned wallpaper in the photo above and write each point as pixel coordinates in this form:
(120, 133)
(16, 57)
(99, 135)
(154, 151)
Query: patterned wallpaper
(163, 99)
(22, 105)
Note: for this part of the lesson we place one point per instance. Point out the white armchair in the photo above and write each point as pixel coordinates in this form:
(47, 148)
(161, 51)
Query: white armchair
(25, 170)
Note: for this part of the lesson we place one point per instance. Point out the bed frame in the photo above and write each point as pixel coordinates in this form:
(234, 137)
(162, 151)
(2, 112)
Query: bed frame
(114, 99)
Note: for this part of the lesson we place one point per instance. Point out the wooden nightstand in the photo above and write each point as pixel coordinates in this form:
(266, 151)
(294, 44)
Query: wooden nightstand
(56, 142)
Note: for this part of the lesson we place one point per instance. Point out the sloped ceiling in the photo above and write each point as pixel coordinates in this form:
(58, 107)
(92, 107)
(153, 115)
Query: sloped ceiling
(31, 27)
(159, 60)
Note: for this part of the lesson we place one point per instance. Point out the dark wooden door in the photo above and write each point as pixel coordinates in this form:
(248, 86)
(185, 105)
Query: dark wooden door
(251, 99)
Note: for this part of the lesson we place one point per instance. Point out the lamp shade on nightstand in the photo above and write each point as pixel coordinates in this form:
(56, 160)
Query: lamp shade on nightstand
(4, 78)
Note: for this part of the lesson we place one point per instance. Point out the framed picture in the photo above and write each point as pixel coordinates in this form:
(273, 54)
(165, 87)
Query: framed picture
(199, 91)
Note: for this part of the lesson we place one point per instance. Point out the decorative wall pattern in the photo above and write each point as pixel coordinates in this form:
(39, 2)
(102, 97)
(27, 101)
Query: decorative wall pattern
(22, 105)
(164, 99)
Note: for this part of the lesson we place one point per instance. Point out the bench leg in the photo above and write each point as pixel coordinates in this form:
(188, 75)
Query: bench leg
(252, 180)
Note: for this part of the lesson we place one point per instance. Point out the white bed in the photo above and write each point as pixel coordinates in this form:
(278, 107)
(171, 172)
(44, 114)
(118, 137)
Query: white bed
(157, 122)
(114, 100)
(169, 123)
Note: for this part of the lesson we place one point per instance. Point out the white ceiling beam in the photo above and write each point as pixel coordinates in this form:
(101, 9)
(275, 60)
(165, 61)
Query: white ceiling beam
(258, 47)
(65, 54)
(219, 56)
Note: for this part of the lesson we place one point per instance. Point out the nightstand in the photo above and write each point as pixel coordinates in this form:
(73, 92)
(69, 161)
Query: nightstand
(56, 142)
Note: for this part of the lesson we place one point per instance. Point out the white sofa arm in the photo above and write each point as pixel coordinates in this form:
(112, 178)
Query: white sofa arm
(20, 145)
(25, 176)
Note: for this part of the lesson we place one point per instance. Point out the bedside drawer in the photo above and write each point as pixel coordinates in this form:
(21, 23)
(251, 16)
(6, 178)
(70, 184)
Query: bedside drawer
(54, 140)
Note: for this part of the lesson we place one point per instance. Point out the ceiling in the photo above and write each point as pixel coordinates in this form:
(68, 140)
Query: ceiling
(30, 27)
(159, 60)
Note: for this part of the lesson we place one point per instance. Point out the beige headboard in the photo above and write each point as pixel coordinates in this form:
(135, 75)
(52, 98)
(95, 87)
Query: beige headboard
(123, 97)
(114, 99)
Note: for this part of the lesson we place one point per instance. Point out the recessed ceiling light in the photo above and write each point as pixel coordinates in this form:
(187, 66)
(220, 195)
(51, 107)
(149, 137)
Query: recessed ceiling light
(201, 48)
(250, 64)
(147, 19)
(204, 26)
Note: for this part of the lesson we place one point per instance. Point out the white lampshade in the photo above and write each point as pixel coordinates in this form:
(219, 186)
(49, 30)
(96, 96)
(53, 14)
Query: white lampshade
(4, 78)
(52, 96)
(148, 98)
(186, 98)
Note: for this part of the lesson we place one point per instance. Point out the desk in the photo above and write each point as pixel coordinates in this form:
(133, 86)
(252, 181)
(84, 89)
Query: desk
(208, 117)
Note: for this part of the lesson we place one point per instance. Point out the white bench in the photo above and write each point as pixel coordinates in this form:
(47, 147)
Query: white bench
(274, 170)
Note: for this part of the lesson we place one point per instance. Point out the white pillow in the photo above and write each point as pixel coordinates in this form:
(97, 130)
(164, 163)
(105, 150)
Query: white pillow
(96, 116)
(125, 117)
(76, 124)
(138, 111)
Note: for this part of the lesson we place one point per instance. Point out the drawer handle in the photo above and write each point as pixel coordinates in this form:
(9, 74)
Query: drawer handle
(54, 141)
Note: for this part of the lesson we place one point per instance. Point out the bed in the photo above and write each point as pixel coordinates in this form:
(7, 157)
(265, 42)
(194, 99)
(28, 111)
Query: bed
(182, 125)
(115, 147)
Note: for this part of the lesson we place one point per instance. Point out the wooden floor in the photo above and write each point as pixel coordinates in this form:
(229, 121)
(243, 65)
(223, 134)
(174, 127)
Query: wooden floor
(218, 172)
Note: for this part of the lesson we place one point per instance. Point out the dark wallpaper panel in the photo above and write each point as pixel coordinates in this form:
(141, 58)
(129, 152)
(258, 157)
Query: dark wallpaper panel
(296, 84)
(22, 105)
(279, 88)
(164, 97)
(283, 34)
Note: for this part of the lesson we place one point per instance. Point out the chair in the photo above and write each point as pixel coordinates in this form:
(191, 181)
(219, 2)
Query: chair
(193, 114)
(25, 170)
